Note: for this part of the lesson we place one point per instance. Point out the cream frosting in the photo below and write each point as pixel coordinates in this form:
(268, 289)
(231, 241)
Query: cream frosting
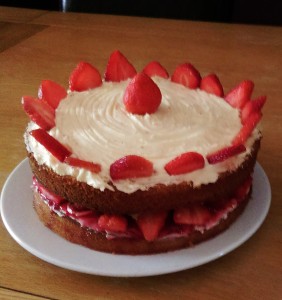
(96, 127)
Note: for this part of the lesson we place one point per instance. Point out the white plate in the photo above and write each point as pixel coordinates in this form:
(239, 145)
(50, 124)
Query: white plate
(24, 226)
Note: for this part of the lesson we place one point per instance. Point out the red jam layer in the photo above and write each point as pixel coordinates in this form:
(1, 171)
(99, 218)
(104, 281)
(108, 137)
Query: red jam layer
(89, 219)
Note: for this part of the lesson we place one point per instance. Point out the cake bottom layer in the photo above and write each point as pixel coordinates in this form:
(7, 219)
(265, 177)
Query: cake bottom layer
(71, 230)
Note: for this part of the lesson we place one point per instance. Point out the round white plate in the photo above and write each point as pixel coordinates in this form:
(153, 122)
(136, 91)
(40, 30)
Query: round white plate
(24, 226)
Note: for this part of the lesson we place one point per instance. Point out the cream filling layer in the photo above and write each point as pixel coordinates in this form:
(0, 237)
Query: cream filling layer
(95, 126)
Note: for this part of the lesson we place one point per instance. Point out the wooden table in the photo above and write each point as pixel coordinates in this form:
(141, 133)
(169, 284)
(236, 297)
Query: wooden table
(36, 45)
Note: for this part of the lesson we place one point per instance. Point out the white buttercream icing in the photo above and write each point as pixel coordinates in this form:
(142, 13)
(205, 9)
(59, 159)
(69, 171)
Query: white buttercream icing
(96, 127)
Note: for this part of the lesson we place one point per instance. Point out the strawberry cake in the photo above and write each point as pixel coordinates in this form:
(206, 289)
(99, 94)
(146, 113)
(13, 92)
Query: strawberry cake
(140, 162)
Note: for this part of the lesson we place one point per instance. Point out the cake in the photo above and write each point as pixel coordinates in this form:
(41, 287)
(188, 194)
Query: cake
(141, 162)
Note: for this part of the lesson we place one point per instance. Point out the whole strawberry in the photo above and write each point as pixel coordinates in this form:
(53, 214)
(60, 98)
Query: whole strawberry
(142, 96)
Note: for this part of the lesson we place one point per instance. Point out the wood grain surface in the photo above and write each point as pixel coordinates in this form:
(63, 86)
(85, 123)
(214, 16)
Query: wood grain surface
(36, 45)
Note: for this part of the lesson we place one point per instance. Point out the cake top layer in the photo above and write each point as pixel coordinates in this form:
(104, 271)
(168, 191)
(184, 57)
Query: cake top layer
(96, 127)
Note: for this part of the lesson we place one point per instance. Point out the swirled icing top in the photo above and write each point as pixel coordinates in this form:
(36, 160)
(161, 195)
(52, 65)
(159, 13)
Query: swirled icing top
(95, 125)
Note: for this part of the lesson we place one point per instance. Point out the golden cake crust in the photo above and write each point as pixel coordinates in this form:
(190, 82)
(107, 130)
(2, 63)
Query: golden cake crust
(72, 231)
(159, 197)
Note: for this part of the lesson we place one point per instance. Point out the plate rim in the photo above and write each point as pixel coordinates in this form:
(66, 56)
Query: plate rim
(24, 167)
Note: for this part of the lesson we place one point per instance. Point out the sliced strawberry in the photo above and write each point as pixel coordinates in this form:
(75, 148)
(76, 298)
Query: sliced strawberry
(51, 144)
(241, 94)
(56, 199)
(51, 92)
(220, 212)
(119, 68)
(187, 75)
(247, 128)
(244, 189)
(225, 153)
(84, 77)
(151, 223)
(76, 162)
(131, 166)
(113, 223)
(185, 163)
(142, 95)
(154, 68)
(39, 112)
(255, 105)
(212, 85)
(194, 215)
(78, 212)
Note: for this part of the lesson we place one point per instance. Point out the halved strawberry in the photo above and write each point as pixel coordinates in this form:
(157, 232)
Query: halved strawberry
(193, 215)
(185, 163)
(131, 166)
(113, 223)
(187, 75)
(154, 68)
(212, 85)
(118, 68)
(151, 223)
(247, 128)
(39, 112)
(241, 94)
(76, 162)
(142, 95)
(84, 77)
(225, 153)
(255, 105)
(51, 144)
(51, 92)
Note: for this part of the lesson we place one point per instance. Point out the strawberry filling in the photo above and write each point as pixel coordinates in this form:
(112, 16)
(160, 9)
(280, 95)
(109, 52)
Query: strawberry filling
(149, 226)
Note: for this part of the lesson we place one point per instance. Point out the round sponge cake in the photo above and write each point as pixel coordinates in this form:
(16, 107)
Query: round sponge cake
(140, 163)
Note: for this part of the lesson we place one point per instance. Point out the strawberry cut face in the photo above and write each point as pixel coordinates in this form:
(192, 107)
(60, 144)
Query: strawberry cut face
(151, 223)
(76, 162)
(212, 85)
(119, 68)
(225, 153)
(253, 106)
(187, 75)
(51, 144)
(244, 189)
(185, 163)
(45, 193)
(84, 77)
(113, 223)
(194, 215)
(51, 92)
(131, 166)
(241, 94)
(247, 128)
(154, 68)
(142, 95)
(39, 112)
